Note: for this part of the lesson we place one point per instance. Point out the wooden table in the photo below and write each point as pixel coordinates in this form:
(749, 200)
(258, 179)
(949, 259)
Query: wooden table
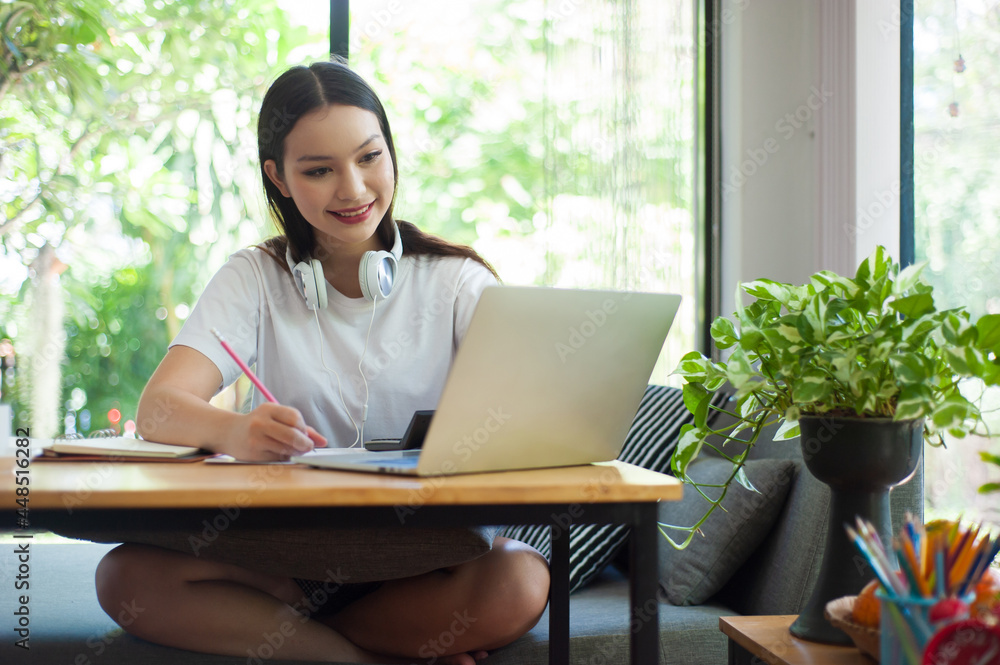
(766, 639)
(164, 495)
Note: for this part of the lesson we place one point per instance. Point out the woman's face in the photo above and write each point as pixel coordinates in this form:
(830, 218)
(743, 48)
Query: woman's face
(338, 172)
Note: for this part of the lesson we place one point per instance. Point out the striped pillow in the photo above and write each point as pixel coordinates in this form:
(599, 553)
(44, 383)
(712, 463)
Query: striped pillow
(650, 443)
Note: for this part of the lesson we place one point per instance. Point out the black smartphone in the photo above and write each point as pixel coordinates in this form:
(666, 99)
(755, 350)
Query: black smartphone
(413, 437)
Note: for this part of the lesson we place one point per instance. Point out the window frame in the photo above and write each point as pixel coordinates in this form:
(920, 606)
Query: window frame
(907, 205)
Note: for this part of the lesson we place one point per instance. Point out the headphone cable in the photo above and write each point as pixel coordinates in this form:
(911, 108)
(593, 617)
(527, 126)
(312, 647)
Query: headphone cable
(364, 413)
(359, 433)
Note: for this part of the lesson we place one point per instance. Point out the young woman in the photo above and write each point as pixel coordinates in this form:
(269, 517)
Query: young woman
(341, 352)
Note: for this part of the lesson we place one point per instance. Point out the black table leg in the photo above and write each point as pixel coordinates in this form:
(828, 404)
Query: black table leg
(740, 656)
(645, 614)
(559, 597)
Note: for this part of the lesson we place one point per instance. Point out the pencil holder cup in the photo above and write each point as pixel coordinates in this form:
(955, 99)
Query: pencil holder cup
(906, 627)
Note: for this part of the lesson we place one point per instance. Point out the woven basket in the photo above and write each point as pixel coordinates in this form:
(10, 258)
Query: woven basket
(838, 613)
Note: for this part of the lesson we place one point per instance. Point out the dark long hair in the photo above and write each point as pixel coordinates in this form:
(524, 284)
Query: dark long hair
(297, 92)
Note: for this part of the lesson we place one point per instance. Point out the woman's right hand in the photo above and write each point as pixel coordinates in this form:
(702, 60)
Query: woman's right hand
(175, 408)
(271, 432)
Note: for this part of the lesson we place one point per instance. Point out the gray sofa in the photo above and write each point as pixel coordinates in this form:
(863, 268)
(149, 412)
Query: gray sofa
(68, 626)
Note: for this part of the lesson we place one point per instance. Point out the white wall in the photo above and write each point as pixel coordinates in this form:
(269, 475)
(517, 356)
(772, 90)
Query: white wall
(877, 121)
(768, 141)
(810, 137)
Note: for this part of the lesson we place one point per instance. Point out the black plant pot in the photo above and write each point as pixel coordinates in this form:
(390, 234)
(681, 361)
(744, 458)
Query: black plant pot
(861, 459)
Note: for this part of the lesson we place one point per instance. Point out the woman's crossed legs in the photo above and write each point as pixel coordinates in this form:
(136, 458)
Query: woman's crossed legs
(182, 601)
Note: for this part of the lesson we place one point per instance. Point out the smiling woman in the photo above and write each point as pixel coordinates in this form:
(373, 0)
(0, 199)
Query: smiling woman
(328, 162)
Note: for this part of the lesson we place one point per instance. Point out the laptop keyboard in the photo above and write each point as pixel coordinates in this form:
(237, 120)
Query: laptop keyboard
(404, 462)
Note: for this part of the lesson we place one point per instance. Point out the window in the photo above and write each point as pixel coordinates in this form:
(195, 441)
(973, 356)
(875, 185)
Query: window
(957, 206)
(558, 138)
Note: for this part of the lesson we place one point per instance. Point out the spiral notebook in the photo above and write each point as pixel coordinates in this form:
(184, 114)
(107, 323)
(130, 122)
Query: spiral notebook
(108, 446)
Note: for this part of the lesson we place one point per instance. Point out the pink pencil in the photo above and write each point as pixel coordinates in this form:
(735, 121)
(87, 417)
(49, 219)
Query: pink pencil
(250, 375)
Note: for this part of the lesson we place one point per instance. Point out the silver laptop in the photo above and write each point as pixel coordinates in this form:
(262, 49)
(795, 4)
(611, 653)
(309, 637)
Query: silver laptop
(545, 377)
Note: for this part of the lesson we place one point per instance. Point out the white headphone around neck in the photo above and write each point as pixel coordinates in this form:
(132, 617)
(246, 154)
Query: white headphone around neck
(376, 274)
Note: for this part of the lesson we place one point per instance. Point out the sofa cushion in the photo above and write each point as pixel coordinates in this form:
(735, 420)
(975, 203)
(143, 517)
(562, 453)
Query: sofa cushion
(730, 535)
(650, 442)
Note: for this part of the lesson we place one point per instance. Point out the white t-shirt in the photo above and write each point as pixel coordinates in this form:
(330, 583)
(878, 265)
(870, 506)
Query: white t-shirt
(256, 306)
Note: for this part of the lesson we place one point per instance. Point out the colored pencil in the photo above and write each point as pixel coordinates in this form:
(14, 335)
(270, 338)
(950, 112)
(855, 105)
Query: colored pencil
(246, 370)
(935, 565)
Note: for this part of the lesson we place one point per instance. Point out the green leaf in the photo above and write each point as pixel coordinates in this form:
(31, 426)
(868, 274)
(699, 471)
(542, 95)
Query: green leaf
(688, 446)
(724, 333)
(909, 367)
(951, 413)
(908, 278)
(914, 306)
(989, 487)
(989, 373)
(697, 400)
(781, 339)
(883, 264)
(988, 329)
(815, 314)
(874, 268)
(788, 430)
(806, 328)
(827, 280)
(751, 337)
(959, 360)
(766, 289)
(740, 312)
(741, 478)
(789, 333)
(693, 367)
(989, 458)
(956, 328)
(813, 386)
(915, 401)
(738, 368)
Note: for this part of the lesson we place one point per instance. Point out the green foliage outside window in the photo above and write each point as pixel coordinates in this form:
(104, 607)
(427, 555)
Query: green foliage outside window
(127, 143)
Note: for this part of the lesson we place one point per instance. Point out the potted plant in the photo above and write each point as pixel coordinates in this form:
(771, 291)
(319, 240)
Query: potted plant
(862, 370)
